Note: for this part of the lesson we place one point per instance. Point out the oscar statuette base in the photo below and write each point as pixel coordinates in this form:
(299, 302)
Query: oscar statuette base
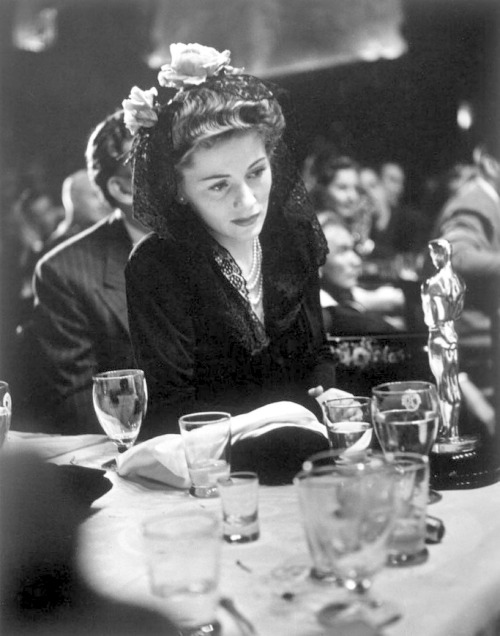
(460, 463)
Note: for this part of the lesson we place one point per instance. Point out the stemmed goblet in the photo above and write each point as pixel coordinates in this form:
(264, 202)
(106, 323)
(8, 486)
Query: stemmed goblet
(351, 511)
(406, 418)
(120, 402)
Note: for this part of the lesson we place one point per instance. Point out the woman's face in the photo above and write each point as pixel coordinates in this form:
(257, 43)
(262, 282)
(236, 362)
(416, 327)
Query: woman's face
(228, 186)
(344, 192)
(343, 265)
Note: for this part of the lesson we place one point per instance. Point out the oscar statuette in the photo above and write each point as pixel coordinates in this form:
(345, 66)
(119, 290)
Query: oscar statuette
(455, 458)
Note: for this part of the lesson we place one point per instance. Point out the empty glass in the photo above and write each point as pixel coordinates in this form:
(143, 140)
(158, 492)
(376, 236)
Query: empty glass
(182, 552)
(120, 401)
(349, 510)
(207, 446)
(239, 493)
(407, 541)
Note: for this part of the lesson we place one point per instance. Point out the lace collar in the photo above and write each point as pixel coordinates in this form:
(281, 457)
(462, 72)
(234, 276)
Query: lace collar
(232, 272)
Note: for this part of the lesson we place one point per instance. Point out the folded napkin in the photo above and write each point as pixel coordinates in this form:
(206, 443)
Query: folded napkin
(162, 458)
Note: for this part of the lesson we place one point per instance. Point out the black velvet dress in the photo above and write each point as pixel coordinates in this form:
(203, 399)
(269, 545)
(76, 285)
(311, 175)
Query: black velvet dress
(198, 341)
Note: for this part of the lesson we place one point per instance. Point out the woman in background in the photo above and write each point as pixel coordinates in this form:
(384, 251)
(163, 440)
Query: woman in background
(338, 192)
(224, 294)
(348, 309)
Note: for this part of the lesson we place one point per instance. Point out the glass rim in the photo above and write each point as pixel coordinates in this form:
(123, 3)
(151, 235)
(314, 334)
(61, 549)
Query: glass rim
(418, 386)
(363, 398)
(248, 475)
(153, 527)
(340, 452)
(117, 373)
(341, 471)
(418, 459)
(220, 416)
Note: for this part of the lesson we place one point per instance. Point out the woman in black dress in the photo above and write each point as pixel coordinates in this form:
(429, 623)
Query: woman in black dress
(223, 296)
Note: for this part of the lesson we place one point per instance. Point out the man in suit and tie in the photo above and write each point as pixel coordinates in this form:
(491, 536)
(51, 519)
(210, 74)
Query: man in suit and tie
(79, 324)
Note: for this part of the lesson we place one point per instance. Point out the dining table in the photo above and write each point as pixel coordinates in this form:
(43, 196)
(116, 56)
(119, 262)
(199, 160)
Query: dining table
(456, 592)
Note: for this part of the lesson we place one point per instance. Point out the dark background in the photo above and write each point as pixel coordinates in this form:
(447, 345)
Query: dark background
(404, 109)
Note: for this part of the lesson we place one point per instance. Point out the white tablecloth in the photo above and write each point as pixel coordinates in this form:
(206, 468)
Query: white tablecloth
(455, 593)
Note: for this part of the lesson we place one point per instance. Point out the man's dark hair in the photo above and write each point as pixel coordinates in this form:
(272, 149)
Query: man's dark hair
(105, 153)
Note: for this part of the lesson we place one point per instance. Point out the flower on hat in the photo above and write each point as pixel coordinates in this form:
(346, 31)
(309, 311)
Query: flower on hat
(138, 109)
(192, 64)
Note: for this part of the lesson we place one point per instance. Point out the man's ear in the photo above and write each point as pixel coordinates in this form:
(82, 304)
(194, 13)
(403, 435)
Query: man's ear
(120, 189)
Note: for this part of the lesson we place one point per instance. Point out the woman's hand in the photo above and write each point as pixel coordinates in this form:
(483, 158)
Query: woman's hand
(330, 394)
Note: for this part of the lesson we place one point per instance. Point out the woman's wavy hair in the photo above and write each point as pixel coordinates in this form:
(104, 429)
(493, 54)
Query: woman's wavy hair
(201, 117)
(206, 117)
(326, 172)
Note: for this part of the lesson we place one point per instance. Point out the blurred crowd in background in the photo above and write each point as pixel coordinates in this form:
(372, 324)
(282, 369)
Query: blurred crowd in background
(377, 271)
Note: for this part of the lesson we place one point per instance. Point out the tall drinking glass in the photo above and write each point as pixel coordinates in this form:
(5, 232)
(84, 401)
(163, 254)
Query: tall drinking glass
(207, 446)
(182, 552)
(407, 541)
(120, 401)
(5, 411)
(406, 418)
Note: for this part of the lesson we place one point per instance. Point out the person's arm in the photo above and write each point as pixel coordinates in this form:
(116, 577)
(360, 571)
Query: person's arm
(472, 251)
(383, 299)
(323, 372)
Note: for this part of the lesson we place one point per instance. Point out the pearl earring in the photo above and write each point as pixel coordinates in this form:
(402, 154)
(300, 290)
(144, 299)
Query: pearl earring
(182, 200)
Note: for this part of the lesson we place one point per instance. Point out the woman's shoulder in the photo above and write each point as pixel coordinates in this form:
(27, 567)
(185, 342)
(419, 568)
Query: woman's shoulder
(157, 259)
(149, 244)
(153, 248)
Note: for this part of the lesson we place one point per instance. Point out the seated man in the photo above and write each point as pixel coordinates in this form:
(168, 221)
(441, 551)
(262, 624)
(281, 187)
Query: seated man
(79, 323)
(83, 206)
(347, 308)
(470, 221)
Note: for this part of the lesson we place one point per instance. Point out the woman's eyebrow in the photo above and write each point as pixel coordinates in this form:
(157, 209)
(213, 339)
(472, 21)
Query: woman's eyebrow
(215, 176)
(225, 176)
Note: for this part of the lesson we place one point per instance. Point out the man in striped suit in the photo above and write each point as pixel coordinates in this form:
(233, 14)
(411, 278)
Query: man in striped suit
(79, 324)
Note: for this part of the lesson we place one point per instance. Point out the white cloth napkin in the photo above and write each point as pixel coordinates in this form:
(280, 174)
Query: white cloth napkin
(162, 458)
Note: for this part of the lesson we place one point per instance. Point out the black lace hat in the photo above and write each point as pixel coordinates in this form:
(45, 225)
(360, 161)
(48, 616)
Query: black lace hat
(195, 68)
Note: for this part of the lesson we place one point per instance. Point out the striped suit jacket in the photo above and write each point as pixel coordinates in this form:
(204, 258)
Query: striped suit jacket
(79, 326)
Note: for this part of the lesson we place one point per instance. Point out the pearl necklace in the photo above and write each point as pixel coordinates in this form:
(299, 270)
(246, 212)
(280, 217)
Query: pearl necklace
(254, 281)
(256, 263)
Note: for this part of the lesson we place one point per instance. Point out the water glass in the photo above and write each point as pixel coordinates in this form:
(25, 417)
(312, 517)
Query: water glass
(239, 493)
(182, 552)
(315, 485)
(5, 411)
(348, 510)
(407, 540)
(207, 446)
(348, 421)
(406, 416)
(120, 401)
